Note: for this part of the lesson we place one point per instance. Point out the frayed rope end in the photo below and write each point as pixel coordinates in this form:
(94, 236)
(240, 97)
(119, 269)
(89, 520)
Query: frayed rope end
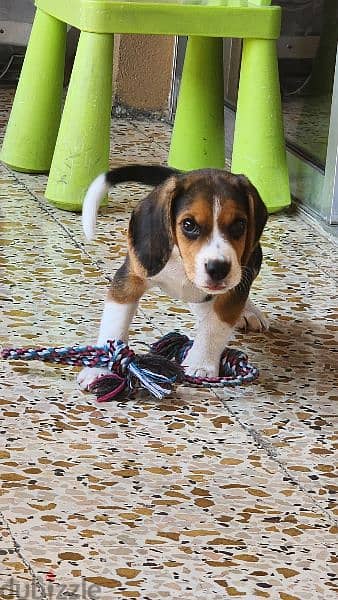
(153, 372)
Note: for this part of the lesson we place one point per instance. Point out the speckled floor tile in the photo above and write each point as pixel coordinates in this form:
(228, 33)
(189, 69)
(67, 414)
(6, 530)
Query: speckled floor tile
(204, 495)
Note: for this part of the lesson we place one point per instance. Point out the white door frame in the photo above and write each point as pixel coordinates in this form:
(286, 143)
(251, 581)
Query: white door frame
(330, 187)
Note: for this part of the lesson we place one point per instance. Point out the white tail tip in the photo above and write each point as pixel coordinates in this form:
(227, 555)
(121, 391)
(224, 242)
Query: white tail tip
(96, 191)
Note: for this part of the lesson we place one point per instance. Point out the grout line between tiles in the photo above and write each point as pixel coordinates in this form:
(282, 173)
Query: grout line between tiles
(273, 455)
(35, 579)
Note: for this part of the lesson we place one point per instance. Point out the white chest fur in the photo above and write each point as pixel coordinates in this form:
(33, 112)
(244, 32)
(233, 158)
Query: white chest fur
(173, 281)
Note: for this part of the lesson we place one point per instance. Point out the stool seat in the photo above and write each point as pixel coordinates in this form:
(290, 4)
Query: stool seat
(73, 143)
(211, 18)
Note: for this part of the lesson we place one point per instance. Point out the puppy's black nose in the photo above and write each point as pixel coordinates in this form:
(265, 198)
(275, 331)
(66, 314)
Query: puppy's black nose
(217, 269)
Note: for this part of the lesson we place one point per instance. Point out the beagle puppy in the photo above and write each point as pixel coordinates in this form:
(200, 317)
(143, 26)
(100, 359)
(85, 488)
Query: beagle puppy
(196, 236)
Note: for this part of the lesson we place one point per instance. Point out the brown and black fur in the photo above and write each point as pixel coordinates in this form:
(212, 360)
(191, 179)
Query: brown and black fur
(152, 228)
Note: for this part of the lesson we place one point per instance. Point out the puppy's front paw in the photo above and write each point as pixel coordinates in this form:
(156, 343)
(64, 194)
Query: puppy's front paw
(252, 319)
(197, 367)
(88, 375)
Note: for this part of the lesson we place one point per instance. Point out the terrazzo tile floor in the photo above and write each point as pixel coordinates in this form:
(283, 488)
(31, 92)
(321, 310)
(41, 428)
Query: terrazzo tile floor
(208, 494)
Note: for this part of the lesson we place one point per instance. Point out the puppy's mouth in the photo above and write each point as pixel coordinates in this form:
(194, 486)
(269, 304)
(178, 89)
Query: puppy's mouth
(215, 288)
(219, 287)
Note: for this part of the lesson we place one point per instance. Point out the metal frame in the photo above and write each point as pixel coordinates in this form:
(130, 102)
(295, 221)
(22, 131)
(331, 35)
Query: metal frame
(330, 187)
(316, 188)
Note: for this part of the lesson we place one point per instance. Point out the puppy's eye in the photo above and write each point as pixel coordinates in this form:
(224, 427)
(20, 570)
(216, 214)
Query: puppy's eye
(237, 228)
(190, 228)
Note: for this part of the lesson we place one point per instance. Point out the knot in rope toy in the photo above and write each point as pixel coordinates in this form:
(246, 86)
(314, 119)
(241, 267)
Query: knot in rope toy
(234, 366)
(156, 371)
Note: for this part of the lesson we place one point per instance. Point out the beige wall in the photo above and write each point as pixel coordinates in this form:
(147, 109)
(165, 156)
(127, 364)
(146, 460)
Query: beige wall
(143, 71)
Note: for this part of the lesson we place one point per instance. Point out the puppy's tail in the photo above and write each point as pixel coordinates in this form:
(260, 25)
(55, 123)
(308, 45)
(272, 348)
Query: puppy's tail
(149, 175)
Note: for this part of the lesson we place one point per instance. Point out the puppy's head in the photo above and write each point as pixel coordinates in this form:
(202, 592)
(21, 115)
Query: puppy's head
(215, 218)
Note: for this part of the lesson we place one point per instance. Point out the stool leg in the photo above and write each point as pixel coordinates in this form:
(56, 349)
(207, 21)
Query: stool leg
(259, 147)
(82, 146)
(34, 121)
(198, 134)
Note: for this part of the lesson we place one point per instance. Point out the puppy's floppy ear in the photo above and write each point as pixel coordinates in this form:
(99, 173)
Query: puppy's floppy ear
(257, 216)
(151, 236)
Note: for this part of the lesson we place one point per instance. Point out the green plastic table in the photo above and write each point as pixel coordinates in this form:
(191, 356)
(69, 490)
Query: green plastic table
(73, 144)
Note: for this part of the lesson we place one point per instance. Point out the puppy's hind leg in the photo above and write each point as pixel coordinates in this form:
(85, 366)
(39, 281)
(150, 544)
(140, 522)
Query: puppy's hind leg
(252, 319)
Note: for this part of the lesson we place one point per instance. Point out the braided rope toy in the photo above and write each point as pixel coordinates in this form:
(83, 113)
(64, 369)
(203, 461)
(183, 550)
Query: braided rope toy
(156, 371)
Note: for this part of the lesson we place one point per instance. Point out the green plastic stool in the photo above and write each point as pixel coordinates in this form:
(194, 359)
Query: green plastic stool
(78, 150)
